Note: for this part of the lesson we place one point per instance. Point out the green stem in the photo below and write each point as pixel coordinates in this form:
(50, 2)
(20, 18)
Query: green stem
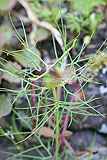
(57, 123)
(65, 53)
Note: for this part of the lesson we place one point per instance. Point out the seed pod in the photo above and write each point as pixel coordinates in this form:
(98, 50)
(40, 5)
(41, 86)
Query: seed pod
(52, 78)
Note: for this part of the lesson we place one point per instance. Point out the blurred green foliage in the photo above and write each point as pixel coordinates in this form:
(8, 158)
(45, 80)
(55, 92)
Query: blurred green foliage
(3, 4)
(49, 10)
(83, 16)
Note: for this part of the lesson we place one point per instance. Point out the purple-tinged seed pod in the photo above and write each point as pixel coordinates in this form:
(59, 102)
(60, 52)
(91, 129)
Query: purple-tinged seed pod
(52, 78)
(43, 70)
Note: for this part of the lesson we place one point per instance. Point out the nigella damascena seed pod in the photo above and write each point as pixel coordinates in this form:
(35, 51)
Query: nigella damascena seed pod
(52, 78)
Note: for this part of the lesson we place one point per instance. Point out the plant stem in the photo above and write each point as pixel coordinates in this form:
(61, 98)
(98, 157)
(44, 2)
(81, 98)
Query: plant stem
(57, 123)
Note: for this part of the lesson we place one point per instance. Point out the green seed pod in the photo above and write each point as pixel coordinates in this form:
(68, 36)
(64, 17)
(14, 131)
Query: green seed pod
(52, 78)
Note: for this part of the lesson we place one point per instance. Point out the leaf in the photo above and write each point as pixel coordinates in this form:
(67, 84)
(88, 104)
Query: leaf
(4, 4)
(9, 77)
(68, 74)
(80, 95)
(85, 6)
(66, 134)
(7, 5)
(2, 40)
(27, 59)
(6, 34)
(39, 34)
(12, 3)
(5, 105)
(46, 132)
